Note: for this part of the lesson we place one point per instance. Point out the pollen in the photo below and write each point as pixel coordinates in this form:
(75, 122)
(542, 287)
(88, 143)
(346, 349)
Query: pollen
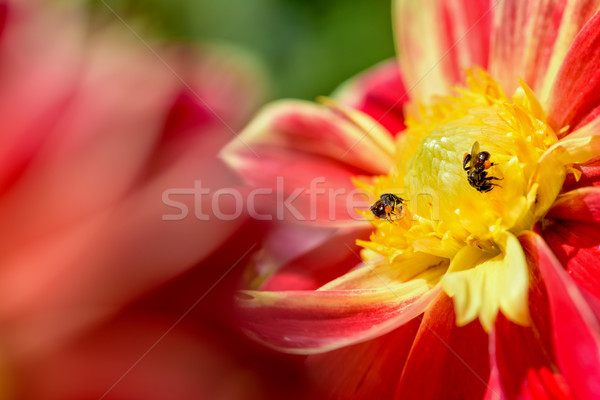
(468, 213)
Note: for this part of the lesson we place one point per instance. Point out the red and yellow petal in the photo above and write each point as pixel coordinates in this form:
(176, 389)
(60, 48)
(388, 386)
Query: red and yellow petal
(436, 39)
(574, 94)
(572, 15)
(588, 175)
(308, 322)
(530, 40)
(575, 329)
(307, 154)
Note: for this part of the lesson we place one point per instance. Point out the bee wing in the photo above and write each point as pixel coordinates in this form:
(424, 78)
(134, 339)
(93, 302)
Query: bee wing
(474, 153)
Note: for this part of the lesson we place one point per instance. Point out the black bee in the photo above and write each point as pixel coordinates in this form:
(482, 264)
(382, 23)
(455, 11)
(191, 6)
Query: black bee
(478, 162)
(386, 206)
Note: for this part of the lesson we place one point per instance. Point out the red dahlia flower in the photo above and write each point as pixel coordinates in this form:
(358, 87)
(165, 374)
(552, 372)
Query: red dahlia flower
(483, 277)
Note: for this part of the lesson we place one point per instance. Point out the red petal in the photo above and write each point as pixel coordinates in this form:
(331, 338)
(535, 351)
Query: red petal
(378, 92)
(590, 176)
(446, 362)
(574, 236)
(32, 107)
(132, 358)
(302, 188)
(307, 322)
(366, 370)
(525, 364)
(575, 91)
(305, 155)
(530, 40)
(576, 332)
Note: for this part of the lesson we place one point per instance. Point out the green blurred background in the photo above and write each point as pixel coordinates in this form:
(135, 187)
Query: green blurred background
(307, 46)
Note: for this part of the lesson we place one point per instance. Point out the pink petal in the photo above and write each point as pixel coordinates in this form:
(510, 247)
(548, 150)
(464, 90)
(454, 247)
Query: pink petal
(445, 362)
(458, 34)
(30, 108)
(302, 157)
(575, 91)
(308, 322)
(573, 234)
(367, 370)
(576, 332)
(378, 92)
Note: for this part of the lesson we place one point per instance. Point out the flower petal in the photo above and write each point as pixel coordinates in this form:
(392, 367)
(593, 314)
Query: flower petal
(307, 154)
(457, 37)
(575, 91)
(573, 15)
(530, 40)
(573, 234)
(590, 176)
(576, 332)
(498, 284)
(445, 361)
(378, 272)
(550, 173)
(307, 322)
(332, 257)
(31, 107)
(366, 370)
(525, 365)
(378, 92)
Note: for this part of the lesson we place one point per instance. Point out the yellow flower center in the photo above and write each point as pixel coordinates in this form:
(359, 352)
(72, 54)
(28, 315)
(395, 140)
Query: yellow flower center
(462, 232)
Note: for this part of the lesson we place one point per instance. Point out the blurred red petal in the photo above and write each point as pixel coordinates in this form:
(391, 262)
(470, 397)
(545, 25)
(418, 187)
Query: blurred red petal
(576, 331)
(131, 357)
(30, 108)
(446, 361)
(367, 370)
(84, 204)
(575, 91)
(378, 92)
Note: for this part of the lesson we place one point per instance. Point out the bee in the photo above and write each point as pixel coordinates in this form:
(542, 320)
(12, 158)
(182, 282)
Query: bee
(387, 206)
(478, 162)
